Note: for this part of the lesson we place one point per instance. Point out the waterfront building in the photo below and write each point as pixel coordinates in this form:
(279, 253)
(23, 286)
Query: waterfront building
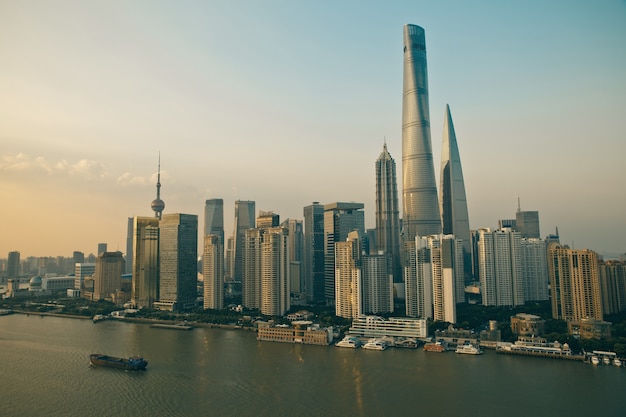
(419, 190)
(523, 324)
(251, 264)
(244, 220)
(301, 331)
(453, 202)
(535, 269)
(377, 284)
(589, 328)
(82, 270)
(387, 232)
(213, 257)
(500, 267)
(107, 277)
(402, 327)
(348, 302)
(13, 265)
(574, 283)
(178, 252)
(314, 252)
(129, 246)
(448, 284)
(527, 223)
(145, 262)
(613, 286)
(275, 292)
(339, 220)
(418, 279)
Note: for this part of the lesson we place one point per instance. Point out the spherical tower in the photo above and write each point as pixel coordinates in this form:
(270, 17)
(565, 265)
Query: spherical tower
(157, 204)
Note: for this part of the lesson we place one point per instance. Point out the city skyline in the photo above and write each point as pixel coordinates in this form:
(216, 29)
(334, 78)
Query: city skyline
(86, 111)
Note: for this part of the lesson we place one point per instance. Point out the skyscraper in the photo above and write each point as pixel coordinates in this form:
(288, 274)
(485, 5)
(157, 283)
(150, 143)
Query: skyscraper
(527, 223)
(178, 270)
(314, 252)
(387, 212)
(129, 246)
(108, 275)
(82, 270)
(535, 269)
(421, 208)
(212, 272)
(446, 256)
(339, 220)
(275, 292)
(157, 204)
(347, 259)
(13, 265)
(244, 220)
(102, 247)
(453, 203)
(214, 218)
(376, 284)
(145, 286)
(296, 254)
(418, 279)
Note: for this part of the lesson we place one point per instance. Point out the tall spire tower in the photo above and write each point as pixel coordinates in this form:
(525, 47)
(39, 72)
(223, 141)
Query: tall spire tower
(453, 202)
(419, 189)
(157, 204)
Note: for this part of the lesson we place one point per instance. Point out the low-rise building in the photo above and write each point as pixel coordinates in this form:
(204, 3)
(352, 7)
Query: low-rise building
(523, 324)
(304, 332)
(375, 326)
(589, 328)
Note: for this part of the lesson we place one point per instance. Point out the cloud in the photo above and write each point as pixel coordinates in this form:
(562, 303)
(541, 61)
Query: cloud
(128, 178)
(85, 169)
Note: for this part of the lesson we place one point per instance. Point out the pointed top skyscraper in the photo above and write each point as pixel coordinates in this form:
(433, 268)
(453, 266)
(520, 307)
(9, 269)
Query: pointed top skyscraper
(452, 202)
(157, 204)
(419, 188)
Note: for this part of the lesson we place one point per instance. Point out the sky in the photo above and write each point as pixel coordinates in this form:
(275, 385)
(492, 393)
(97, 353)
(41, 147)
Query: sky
(289, 102)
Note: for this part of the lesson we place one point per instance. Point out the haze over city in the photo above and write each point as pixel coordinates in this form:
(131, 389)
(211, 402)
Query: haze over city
(286, 103)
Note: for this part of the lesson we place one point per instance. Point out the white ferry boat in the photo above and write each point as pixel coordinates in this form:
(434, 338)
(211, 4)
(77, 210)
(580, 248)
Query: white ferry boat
(375, 344)
(595, 360)
(468, 349)
(617, 362)
(349, 342)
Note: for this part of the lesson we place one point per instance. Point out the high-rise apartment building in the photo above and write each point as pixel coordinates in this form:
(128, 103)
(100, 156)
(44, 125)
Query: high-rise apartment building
(267, 219)
(296, 254)
(107, 279)
(535, 269)
(275, 291)
(574, 283)
(339, 220)
(178, 270)
(387, 213)
(376, 284)
(421, 207)
(244, 220)
(81, 271)
(500, 267)
(145, 284)
(418, 279)
(446, 260)
(453, 203)
(347, 256)
(212, 272)
(314, 252)
(613, 286)
(13, 265)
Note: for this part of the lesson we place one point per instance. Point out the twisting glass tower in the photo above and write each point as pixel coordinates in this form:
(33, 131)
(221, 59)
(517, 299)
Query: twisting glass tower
(419, 189)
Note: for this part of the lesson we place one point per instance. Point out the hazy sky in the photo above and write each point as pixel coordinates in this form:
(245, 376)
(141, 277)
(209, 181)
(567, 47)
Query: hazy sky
(289, 102)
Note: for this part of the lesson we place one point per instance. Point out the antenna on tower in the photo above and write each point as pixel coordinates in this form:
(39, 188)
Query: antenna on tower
(157, 204)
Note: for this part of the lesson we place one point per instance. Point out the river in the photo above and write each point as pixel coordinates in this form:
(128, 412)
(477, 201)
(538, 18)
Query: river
(45, 371)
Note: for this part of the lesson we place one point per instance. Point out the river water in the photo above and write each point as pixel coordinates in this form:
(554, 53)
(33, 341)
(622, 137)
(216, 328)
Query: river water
(45, 371)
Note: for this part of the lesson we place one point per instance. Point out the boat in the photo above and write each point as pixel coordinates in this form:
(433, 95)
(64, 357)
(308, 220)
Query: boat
(349, 342)
(606, 360)
(435, 347)
(617, 362)
(178, 326)
(469, 349)
(99, 317)
(595, 360)
(134, 363)
(375, 344)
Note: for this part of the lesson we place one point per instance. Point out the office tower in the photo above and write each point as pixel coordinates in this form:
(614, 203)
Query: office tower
(348, 276)
(267, 219)
(214, 218)
(13, 265)
(229, 259)
(81, 271)
(418, 279)
(527, 223)
(535, 269)
(574, 283)
(419, 190)
(78, 257)
(453, 203)
(213, 258)
(387, 213)
(296, 254)
(275, 292)
(314, 252)
(178, 271)
(339, 220)
(157, 204)
(145, 289)
(507, 224)
(251, 265)
(500, 267)
(129, 246)
(448, 284)
(107, 279)
(244, 220)
(102, 247)
(613, 286)
(376, 284)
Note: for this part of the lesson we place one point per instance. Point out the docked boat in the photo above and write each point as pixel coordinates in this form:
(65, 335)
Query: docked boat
(134, 363)
(99, 317)
(435, 347)
(375, 344)
(617, 362)
(349, 342)
(468, 349)
(595, 360)
(606, 360)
